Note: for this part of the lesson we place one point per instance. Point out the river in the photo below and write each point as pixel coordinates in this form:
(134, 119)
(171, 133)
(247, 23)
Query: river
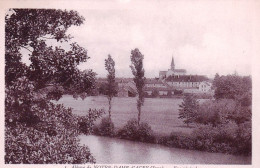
(117, 151)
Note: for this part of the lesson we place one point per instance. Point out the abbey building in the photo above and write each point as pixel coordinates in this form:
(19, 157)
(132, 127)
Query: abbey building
(172, 71)
(170, 82)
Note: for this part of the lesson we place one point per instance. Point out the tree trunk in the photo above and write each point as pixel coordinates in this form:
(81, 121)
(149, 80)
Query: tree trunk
(139, 112)
(109, 108)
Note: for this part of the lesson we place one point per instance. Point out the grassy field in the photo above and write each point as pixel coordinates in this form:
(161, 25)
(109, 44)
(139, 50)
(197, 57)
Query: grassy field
(160, 113)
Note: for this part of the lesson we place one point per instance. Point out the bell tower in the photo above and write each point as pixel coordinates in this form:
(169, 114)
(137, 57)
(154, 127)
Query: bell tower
(172, 64)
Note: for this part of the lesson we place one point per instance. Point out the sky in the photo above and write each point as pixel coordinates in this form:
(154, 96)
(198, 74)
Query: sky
(203, 37)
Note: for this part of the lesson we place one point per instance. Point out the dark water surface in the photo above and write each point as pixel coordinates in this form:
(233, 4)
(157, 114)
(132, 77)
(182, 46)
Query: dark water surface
(118, 151)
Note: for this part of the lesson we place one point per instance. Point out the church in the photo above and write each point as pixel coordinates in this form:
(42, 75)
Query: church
(172, 71)
(172, 81)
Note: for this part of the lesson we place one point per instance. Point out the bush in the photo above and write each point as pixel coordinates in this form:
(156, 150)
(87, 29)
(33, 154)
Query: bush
(28, 145)
(38, 131)
(135, 132)
(243, 141)
(105, 128)
(51, 140)
(215, 112)
(204, 95)
(188, 109)
(177, 141)
(86, 123)
(225, 138)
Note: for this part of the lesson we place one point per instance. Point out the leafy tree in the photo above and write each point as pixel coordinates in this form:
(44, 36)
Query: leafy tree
(105, 128)
(155, 93)
(232, 86)
(215, 112)
(169, 93)
(137, 132)
(238, 88)
(111, 83)
(188, 109)
(31, 30)
(139, 79)
(215, 81)
(38, 131)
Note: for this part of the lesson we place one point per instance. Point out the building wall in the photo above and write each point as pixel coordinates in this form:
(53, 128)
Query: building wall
(169, 73)
(163, 93)
(205, 87)
(155, 85)
(172, 72)
(193, 90)
(122, 93)
(184, 84)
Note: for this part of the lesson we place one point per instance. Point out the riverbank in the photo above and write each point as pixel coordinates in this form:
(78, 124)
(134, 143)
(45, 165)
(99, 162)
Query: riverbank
(118, 151)
(163, 125)
(202, 139)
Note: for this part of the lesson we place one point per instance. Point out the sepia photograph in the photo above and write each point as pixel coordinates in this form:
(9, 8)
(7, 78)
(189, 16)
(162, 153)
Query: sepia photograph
(129, 82)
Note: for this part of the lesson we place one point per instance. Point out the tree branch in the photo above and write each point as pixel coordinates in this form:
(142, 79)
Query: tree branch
(26, 48)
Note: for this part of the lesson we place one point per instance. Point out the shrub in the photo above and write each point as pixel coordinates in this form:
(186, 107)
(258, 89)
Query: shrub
(188, 109)
(38, 131)
(135, 132)
(215, 112)
(232, 86)
(226, 138)
(28, 145)
(243, 140)
(52, 139)
(177, 141)
(105, 128)
(86, 123)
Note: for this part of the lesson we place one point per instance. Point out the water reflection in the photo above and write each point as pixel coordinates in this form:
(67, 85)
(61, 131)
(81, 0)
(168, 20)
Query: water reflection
(117, 151)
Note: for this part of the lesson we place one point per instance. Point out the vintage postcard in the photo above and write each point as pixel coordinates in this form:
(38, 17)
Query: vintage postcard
(130, 84)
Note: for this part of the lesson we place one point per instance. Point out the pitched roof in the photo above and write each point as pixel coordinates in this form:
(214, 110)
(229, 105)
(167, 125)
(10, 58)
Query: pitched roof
(153, 81)
(179, 70)
(162, 72)
(172, 63)
(207, 83)
(186, 78)
(157, 88)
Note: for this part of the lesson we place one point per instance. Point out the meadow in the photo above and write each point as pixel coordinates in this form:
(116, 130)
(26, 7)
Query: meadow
(161, 113)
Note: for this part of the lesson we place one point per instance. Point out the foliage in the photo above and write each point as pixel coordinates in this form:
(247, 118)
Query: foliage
(111, 83)
(226, 138)
(31, 30)
(86, 123)
(102, 88)
(139, 79)
(188, 109)
(169, 94)
(105, 128)
(204, 96)
(243, 141)
(232, 86)
(53, 140)
(178, 141)
(38, 131)
(178, 92)
(226, 122)
(215, 112)
(137, 132)
(155, 93)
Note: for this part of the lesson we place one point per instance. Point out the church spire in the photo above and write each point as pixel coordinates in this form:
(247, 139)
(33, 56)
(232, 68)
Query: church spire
(172, 64)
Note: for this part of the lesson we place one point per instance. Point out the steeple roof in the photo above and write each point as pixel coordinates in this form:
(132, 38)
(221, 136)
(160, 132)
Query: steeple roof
(172, 64)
